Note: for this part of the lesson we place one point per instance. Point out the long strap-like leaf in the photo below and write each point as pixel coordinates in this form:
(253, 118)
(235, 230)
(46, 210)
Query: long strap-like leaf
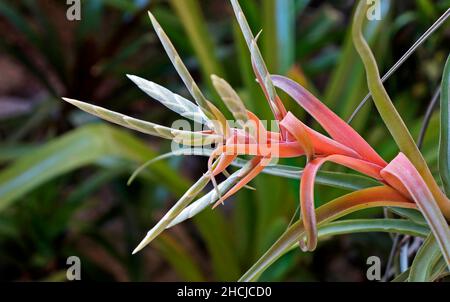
(404, 57)
(444, 141)
(367, 198)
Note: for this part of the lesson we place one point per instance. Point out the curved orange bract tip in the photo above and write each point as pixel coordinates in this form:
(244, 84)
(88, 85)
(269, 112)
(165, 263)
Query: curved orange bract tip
(307, 190)
(244, 181)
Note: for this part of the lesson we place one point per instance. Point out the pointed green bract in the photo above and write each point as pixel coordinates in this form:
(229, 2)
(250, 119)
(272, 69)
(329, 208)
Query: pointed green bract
(220, 122)
(424, 261)
(258, 62)
(180, 136)
(231, 99)
(193, 88)
(173, 212)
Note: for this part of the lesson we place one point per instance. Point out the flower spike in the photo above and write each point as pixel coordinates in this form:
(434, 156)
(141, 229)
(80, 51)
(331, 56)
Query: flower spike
(196, 93)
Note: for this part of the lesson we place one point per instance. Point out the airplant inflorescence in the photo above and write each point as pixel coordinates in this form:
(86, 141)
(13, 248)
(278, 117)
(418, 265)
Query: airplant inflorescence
(405, 182)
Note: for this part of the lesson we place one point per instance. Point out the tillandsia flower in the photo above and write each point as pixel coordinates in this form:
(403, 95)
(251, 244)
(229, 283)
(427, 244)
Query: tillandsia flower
(402, 183)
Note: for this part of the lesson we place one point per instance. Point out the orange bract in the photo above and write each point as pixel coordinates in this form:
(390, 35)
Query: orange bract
(345, 147)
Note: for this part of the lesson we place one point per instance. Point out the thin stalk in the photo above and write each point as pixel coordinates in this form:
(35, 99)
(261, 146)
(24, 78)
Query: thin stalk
(404, 253)
(405, 56)
(391, 257)
(427, 117)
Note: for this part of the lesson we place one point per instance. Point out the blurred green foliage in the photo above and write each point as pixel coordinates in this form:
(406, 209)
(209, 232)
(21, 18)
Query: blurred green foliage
(63, 192)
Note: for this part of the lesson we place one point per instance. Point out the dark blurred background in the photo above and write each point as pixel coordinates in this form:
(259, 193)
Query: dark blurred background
(63, 173)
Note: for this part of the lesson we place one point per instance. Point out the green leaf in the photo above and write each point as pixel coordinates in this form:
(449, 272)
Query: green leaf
(402, 226)
(403, 277)
(269, 34)
(440, 269)
(427, 8)
(413, 215)
(444, 146)
(88, 145)
(333, 229)
(11, 14)
(50, 43)
(355, 201)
